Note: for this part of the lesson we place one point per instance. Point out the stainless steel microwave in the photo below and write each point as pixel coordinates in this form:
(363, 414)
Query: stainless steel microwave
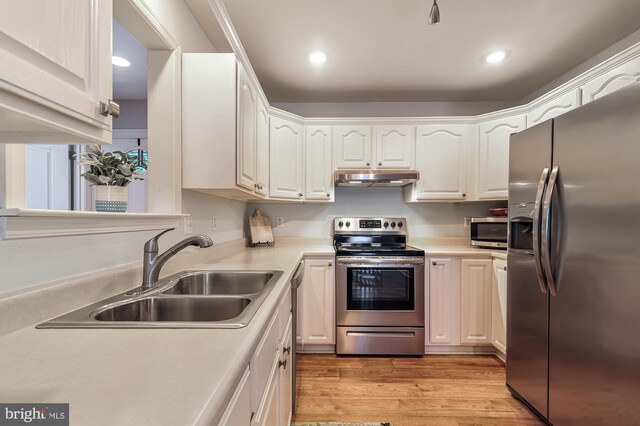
(488, 232)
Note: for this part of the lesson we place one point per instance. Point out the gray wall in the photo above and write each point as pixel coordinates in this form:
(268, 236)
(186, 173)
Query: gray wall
(133, 114)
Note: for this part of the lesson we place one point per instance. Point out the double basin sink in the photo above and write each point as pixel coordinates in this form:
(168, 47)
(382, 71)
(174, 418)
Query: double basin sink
(192, 299)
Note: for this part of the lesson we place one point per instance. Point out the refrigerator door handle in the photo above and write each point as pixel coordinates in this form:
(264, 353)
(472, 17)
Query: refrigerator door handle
(546, 231)
(536, 229)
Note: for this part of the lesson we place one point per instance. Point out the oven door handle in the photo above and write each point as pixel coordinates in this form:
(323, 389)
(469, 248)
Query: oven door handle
(379, 262)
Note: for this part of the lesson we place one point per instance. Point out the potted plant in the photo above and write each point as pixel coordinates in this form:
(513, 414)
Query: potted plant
(110, 173)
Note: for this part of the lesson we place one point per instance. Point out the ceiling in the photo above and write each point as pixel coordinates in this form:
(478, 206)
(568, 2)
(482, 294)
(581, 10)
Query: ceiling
(383, 50)
(129, 82)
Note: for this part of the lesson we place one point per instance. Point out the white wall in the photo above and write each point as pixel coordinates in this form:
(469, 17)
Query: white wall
(423, 219)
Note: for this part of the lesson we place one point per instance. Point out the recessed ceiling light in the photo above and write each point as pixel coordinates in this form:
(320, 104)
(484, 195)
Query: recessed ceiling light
(495, 56)
(119, 61)
(317, 57)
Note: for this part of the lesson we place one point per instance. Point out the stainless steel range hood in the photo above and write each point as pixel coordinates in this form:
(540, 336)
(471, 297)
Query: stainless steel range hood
(375, 177)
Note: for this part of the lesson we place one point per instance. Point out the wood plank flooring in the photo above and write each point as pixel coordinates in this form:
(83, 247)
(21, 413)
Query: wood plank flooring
(433, 390)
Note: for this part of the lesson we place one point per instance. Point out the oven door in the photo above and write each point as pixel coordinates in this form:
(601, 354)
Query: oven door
(380, 291)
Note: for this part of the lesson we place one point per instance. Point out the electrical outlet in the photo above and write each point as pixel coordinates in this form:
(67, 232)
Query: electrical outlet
(467, 222)
(279, 221)
(187, 225)
(214, 223)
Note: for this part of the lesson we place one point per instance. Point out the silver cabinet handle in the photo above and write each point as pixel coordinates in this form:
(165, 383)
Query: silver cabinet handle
(282, 364)
(368, 163)
(330, 264)
(379, 163)
(545, 232)
(434, 263)
(536, 228)
(328, 195)
(110, 108)
(300, 194)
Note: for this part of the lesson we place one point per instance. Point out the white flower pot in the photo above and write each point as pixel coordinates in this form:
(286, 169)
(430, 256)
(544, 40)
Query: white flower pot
(111, 198)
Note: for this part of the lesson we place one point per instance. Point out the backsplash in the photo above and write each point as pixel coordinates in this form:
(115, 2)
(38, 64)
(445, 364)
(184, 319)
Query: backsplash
(423, 219)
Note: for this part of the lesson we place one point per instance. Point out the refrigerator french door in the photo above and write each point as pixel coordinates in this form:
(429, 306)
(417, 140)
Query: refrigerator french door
(574, 264)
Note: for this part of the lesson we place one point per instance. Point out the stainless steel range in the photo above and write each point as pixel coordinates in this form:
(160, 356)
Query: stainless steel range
(379, 288)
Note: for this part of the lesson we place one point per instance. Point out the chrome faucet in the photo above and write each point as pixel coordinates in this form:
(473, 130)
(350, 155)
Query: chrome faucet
(153, 262)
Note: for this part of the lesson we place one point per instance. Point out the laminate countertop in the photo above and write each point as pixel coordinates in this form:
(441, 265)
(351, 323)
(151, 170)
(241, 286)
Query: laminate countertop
(145, 376)
(157, 376)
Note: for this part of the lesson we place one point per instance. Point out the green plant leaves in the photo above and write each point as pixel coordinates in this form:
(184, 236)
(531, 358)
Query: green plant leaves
(108, 168)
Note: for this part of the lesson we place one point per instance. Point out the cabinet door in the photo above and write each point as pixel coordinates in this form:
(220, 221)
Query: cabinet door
(268, 410)
(440, 159)
(493, 156)
(286, 168)
(285, 385)
(238, 411)
(247, 111)
(499, 306)
(554, 108)
(615, 79)
(317, 310)
(444, 301)
(352, 146)
(58, 54)
(395, 147)
(319, 163)
(475, 301)
(262, 149)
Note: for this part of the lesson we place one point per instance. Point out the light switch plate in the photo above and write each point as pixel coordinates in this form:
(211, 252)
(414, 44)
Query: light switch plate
(467, 222)
(279, 221)
(187, 225)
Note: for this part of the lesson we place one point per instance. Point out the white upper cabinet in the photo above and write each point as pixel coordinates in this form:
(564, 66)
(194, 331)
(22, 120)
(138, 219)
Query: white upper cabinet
(615, 79)
(395, 147)
(55, 69)
(319, 163)
(287, 159)
(247, 112)
(499, 306)
(352, 147)
(444, 301)
(262, 149)
(493, 156)
(554, 107)
(475, 301)
(440, 160)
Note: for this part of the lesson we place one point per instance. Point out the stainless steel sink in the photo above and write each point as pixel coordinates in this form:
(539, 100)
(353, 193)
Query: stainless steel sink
(190, 299)
(176, 309)
(216, 282)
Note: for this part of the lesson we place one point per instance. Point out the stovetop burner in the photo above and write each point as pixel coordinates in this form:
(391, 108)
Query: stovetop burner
(357, 236)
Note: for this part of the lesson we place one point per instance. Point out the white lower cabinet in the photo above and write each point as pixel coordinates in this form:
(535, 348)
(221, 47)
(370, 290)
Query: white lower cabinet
(475, 301)
(316, 304)
(499, 306)
(238, 411)
(444, 301)
(263, 396)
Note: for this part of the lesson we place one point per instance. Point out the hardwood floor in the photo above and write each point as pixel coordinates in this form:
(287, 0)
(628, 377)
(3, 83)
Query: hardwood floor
(433, 390)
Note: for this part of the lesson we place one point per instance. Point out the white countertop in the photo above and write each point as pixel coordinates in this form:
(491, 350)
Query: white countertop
(159, 376)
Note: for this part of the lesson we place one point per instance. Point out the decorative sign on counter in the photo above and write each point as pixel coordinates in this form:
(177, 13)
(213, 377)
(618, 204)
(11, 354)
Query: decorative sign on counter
(261, 232)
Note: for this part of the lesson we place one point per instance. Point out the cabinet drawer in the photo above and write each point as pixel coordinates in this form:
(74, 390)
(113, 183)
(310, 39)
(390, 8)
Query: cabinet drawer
(263, 361)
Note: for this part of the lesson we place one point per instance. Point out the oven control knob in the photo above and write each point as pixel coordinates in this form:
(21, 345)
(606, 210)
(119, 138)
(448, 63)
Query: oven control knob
(386, 224)
(341, 224)
(348, 224)
(399, 224)
(393, 224)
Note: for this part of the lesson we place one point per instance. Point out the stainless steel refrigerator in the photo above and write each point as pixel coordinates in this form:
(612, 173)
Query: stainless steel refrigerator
(573, 312)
